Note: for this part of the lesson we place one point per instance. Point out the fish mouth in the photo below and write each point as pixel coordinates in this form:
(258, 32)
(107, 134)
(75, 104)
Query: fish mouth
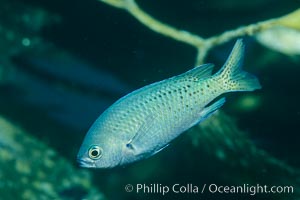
(86, 163)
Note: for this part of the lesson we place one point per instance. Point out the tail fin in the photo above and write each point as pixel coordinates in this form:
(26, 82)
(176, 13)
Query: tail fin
(231, 75)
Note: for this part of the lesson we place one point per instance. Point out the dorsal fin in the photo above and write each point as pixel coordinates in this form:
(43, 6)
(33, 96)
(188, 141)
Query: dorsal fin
(200, 72)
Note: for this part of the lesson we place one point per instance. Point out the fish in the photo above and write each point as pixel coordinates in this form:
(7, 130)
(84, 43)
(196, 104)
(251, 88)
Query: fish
(145, 121)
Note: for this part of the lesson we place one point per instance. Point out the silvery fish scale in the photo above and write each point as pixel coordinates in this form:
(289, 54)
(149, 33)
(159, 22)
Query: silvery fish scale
(143, 122)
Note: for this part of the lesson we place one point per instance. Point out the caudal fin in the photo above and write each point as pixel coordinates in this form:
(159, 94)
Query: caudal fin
(232, 76)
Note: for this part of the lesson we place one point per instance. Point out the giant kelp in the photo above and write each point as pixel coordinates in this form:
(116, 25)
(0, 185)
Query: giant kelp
(221, 138)
(204, 45)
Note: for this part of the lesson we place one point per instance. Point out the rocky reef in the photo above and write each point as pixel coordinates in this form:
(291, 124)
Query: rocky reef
(32, 170)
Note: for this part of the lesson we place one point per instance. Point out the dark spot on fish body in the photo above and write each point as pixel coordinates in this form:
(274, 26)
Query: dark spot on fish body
(129, 146)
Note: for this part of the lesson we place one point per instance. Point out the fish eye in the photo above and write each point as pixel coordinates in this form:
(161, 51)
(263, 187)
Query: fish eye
(95, 152)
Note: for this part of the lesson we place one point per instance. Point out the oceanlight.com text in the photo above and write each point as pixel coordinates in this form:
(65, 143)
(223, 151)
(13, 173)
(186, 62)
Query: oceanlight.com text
(189, 188)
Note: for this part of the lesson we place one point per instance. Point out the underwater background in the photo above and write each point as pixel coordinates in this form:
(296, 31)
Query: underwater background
(62, 63)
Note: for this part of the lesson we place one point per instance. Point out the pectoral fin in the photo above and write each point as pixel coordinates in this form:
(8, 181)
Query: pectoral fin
(143, 135)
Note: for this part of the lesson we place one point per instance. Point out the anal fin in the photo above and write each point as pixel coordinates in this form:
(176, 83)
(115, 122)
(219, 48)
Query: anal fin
(208, 111)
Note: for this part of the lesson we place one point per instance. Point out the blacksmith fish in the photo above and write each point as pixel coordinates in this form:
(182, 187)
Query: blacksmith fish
(145, 121)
